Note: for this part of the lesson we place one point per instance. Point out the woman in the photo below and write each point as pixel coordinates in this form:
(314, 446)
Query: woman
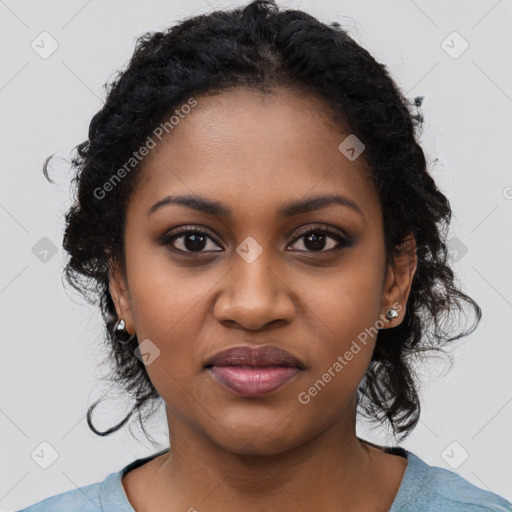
(257, 220)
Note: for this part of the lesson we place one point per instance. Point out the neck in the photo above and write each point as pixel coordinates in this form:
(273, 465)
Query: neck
(335, 469)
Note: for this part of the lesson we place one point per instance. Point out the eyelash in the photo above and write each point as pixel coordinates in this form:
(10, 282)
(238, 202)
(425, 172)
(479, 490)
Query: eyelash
(343, 241)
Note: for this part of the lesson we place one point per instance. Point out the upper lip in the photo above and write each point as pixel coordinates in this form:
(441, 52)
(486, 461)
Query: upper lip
(268, 355)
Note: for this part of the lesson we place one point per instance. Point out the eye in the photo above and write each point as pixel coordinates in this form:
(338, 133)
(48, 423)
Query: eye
(188, 240)
(191, 240)
(315, 240)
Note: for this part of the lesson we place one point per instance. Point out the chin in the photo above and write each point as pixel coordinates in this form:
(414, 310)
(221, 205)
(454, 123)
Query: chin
(258, 433)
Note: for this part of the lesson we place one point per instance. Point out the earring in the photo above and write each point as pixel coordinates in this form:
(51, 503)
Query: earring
(121, 333)
(391, 313)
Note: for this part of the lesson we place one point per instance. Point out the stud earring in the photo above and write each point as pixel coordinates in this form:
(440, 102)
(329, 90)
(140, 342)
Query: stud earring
(391, 313)
(121, 333)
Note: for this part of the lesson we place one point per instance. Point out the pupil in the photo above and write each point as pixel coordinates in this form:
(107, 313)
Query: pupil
(197, 244)
(318, 241)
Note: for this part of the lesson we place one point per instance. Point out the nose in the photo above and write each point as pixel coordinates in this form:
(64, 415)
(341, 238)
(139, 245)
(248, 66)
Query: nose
(254, 296)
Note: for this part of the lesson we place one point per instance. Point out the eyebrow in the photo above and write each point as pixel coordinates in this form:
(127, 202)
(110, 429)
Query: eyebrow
(216, 208)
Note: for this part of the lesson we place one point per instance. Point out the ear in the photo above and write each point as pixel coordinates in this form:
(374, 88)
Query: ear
(399, 278)
(120, 295)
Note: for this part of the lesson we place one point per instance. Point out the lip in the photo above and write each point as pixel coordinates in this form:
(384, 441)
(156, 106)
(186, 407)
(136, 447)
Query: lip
(254, 372)
(244, 355)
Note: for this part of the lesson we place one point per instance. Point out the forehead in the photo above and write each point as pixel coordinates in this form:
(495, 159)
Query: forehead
(254, 150)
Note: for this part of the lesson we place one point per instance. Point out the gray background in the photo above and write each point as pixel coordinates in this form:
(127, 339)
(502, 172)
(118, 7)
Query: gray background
(51, 341)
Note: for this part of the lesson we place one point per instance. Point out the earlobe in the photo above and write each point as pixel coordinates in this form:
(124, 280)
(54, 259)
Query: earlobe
(120, 295)
(399, 281)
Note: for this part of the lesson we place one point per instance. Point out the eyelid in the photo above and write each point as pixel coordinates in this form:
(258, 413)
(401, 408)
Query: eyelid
(322, 226)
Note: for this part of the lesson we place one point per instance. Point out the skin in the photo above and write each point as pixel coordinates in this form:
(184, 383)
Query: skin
(254, 152)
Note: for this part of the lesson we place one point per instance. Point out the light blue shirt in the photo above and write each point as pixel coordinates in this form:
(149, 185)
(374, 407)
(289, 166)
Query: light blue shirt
(424, 488)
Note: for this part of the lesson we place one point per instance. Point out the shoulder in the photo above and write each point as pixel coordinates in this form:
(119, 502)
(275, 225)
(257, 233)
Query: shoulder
(105, 496)
(82, 499)
(434, 489)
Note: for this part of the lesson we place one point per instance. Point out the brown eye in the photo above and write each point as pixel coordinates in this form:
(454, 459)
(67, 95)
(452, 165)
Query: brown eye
(189, 240)
(316, 240)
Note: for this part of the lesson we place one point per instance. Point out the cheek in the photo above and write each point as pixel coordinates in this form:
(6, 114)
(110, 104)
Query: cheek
(163, 294)
(339, 359)
(346, 308)
(168, 309)
(348, 299)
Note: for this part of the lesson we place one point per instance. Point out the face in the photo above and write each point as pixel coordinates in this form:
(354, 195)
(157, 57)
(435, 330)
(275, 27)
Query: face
(258, 270)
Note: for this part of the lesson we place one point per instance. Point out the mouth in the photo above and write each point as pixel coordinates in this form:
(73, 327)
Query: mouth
(254, 372)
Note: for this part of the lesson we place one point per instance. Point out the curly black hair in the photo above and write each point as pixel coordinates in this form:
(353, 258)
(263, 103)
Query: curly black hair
(261, 46)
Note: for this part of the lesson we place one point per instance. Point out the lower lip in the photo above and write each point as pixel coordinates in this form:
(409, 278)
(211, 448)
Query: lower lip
(253, 381)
